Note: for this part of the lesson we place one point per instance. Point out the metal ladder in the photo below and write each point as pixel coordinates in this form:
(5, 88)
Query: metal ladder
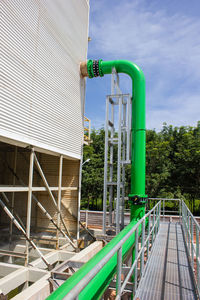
(118, 115)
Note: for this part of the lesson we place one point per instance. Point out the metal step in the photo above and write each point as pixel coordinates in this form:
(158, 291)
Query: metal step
(113, 140)
(125, 162)
(114, 184)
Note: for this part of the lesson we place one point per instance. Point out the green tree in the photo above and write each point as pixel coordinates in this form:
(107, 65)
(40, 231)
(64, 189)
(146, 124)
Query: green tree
(172, 165)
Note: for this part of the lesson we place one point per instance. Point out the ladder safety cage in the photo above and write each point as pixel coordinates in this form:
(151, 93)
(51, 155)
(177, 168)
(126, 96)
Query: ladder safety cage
(117, 132)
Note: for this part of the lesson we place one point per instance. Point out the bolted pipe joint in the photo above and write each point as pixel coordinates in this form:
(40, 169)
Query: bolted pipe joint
(94, 68)
(137, 200)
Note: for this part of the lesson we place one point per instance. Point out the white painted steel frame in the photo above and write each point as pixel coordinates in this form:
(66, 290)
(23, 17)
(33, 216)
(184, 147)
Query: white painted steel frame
(123, 157)
(30, 189)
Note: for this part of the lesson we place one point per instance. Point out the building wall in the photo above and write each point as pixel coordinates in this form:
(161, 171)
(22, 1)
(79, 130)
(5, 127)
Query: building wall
(41, 93)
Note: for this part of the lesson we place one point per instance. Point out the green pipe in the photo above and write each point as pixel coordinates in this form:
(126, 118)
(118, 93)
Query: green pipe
(137, 197)
(100, 282)
(100, 68)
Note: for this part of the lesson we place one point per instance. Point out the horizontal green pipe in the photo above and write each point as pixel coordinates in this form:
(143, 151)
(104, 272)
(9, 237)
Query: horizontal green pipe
(100, 282)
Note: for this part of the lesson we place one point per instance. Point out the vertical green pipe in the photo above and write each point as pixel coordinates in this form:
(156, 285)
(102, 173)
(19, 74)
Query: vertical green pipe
(138, 149)
(137, 196)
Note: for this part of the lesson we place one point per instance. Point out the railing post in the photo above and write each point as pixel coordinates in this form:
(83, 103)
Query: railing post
(197, 258)
(163, 210)
(157, 219)
(183, 218)
(159, 215)
(136, 258)
(148, 231)
(142, 245)
(192, 250)
(185, 223)
(153, 231)
(119, 272)
(86, 219)
(188, 218)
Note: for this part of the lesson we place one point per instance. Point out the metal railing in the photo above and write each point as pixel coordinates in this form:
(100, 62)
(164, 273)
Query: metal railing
(95, 218)
(165, 201)
(191, 230)
(144, 239)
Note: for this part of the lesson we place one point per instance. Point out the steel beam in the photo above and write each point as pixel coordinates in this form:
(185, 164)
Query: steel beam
(18, 189)
(13, 194)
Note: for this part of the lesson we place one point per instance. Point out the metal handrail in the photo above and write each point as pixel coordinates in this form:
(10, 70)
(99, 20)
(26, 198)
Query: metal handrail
(75, 291)
(189, 223)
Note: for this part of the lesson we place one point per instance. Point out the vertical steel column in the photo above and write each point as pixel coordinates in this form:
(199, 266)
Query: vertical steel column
(125, 128)
(128, 148)
(28, 218)
(119, 169)
(59, 198)
(13, 194)
(112, 130)
(105, 167)
(111, 164)
(79, 193)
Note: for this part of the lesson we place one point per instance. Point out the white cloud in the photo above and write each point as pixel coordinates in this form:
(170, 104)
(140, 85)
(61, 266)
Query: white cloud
(167, 47)
(146, 36)
(182, 111)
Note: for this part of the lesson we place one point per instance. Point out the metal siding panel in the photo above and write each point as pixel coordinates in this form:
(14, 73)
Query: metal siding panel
(42, 44)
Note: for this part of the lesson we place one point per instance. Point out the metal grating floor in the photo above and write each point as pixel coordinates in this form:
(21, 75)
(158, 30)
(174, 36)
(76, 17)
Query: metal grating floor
(167, 275)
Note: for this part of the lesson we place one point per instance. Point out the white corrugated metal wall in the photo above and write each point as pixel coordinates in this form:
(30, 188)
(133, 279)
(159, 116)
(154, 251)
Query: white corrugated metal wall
(41, 92)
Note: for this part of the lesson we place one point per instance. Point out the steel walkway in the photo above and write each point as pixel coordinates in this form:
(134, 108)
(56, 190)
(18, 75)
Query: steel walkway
(167, 275)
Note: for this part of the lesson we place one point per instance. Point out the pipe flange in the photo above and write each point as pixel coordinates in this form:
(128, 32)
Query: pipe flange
(90, 68)
(94, 68)
(137, 200)
(100, 69)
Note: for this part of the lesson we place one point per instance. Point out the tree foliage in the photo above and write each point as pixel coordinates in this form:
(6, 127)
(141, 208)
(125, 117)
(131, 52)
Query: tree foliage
(172, 165)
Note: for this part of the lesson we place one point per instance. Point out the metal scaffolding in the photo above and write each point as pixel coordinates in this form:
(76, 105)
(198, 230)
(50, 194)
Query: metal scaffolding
(117, 132)
(9, 208)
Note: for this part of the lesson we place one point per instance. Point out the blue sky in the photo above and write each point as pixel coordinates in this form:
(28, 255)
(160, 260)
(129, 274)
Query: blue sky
(163, 38)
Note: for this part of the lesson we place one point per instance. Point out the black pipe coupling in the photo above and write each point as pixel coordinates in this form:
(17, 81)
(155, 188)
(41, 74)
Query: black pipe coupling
(137, 200)
(94, 68)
